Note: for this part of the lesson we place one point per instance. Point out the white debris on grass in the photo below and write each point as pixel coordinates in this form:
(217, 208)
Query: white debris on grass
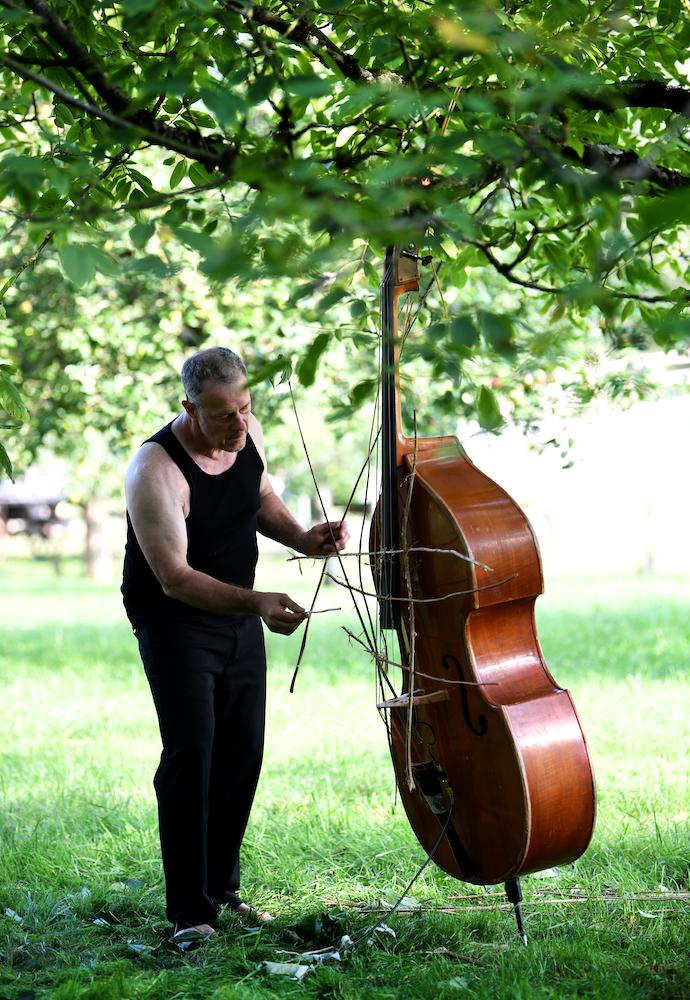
(293, 970)
(458, 983)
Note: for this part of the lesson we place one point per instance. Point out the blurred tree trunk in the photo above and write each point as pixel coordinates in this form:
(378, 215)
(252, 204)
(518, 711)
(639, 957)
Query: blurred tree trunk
(98, 560)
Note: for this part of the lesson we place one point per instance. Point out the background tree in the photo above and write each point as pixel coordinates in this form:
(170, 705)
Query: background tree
(537, 150)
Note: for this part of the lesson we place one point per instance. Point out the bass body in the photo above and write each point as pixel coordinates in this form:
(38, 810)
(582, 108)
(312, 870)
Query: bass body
(489, 754)
(501, 737)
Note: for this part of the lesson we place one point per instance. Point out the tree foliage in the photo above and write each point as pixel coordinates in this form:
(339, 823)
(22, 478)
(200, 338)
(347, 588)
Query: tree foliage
(537, 150)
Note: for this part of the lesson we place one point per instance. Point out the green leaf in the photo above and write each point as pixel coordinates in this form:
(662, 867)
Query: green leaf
(463, 332)
(373, 276)
(668, 13)
(268, 371)
(201, 242)
(150, 264)
(488, 412)
(142, 233)
(141, 180)
(134, 7)
(669, 328)
(15, 16)
(198, 174)
(557, 257)
(306, 369)
(661, 213)
(363, 391)
(575, 143)
(501, 146)
(335, 294)
(308, 86)
(5, 463)
(10, 399)
(178, 173)
(104, 262)
(259, 89)
(301, 291)
(77, 263)
(63, 112)
(498, 331)
(225, 105)
(360, 308)
(344, 135)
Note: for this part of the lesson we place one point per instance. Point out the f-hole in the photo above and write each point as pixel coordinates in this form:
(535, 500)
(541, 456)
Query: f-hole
(449, 662)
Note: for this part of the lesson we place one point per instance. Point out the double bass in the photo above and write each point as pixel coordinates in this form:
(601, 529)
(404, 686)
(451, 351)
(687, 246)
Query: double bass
(489, 755)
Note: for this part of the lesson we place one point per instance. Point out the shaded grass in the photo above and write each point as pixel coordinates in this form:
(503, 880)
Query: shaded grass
(79, 744)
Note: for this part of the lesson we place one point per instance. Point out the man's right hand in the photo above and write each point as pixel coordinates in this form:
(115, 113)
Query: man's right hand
(279, 612)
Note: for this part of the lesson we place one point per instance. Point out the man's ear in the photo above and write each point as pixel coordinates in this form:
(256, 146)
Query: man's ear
(189, 407)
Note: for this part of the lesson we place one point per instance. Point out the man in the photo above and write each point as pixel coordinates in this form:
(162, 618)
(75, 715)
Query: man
(197, 492)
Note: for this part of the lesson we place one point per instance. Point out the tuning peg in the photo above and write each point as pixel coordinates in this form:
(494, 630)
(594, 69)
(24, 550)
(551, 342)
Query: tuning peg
(427, 259)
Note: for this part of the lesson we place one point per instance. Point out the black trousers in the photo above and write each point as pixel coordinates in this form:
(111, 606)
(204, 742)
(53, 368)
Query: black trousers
(209, 689)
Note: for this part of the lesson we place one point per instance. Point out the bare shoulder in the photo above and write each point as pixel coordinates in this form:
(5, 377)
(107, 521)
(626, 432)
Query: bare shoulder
(153, 471)
(157, 498)
(255, 429)
(257, 436)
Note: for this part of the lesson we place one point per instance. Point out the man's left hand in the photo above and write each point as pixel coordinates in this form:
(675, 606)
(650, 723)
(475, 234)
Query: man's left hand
(325, 539)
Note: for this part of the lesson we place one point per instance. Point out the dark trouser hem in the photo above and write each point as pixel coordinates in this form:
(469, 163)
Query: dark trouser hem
(193, 917)
(182, 925)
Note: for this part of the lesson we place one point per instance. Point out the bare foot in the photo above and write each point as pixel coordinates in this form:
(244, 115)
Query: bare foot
(200, 932)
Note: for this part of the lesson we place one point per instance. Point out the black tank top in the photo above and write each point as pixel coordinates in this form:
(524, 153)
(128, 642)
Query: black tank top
(221, 536)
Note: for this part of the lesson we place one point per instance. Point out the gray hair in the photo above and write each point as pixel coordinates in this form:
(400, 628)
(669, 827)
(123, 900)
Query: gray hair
(215, 364)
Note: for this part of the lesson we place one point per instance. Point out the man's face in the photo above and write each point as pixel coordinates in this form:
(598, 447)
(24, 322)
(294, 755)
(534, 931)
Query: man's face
(223, 415)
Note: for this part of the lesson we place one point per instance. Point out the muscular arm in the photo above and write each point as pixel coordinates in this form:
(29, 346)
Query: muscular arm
(156, 495)
(276, 522)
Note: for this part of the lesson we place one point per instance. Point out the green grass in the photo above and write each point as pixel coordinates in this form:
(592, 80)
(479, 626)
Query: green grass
(79, 745)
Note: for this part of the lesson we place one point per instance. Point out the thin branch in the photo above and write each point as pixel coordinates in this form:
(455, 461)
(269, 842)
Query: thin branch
(43, 63)
(506, 271)
(134, 205)
(28, 262)
(379, 657)
(298, 30)
(637, 94)
(80, 59)
(32, 260)
(423, 600)
(608, 97)
(625, 165)
(212, 152)
(395, 552)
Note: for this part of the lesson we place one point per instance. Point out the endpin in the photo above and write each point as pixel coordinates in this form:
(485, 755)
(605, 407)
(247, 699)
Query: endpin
(514, 894)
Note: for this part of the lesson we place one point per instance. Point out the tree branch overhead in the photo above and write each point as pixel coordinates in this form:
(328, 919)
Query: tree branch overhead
(325, 125)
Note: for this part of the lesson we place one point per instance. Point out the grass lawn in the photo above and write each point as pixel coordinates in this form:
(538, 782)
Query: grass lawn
(81, 897)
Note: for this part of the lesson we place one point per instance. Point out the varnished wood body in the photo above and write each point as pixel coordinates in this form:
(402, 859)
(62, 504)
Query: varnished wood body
(511, 748)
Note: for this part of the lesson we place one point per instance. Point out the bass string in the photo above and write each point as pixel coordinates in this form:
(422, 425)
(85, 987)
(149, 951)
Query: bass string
(383, 659)
(380, 651)
(377, 642)
(404, 541)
